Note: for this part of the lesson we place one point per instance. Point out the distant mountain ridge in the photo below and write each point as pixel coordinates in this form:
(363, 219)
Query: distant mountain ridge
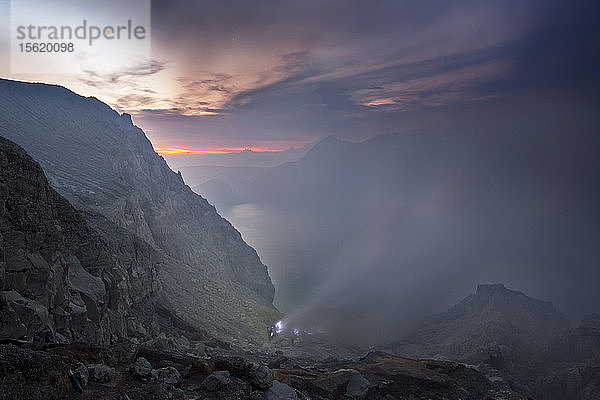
(246, 158)
(101, 162)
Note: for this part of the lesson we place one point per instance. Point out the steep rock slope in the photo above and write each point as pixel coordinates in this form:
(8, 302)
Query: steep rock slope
(570, 368)
(496, 326)
(101, 162)
(60, 279)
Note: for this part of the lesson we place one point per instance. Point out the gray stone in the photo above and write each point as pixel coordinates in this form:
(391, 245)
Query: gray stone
(24, 311)
(216, 380)
(258, 395)
(2, 269)
(198, 349)
(357, 386)
(37, 261)
(84, 282)
(168, 375)
(11, 326)
(260, 376)
(142, 367)
(16, 260)
(101, 373)
(281, 391)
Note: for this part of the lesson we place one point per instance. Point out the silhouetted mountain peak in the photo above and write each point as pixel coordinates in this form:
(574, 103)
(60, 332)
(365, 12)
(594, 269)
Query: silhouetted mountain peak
(498, 302)
(330, 139)
(491, 288)
(329, 149)
(127, 118)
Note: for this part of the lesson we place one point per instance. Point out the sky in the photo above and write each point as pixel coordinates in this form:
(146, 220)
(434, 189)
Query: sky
(270, 75)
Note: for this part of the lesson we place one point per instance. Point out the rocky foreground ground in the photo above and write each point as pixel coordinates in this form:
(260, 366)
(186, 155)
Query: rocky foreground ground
(160, 370)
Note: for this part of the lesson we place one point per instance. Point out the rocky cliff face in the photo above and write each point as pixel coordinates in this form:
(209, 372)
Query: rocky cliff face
(97, 159)
(60, 279)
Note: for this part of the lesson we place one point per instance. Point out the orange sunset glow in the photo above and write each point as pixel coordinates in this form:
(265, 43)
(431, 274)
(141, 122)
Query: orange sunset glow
(185, 151)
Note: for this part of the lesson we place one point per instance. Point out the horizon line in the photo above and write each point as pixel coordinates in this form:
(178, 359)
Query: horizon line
(223, 150)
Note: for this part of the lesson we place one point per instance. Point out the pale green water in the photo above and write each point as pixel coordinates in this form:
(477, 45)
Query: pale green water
(294, 249)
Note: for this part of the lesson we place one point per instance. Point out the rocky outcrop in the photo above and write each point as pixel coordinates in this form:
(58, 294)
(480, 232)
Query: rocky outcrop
(62, 280)
(570, 368)
(495, 326)
(210, 278)
(380, 375)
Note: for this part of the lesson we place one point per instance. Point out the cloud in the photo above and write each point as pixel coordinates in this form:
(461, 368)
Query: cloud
(209, 93)
(292, 63)
(263, 66)
(135, 101)
(432, 90)
(98, 79)
(235, 55)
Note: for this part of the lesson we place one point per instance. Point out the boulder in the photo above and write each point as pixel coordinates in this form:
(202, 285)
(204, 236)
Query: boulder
(101, 373)
(277, 361)
(84, 282)
(142, 367)
(336, 382)
(281, 391)
(168, 375)
(198, 349)
(11, 326)
(216, 380)
(357, 386)
(20, 312)
(260, 376)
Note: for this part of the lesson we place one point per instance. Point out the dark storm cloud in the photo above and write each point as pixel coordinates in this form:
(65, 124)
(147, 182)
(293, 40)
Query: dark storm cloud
(265, 63)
